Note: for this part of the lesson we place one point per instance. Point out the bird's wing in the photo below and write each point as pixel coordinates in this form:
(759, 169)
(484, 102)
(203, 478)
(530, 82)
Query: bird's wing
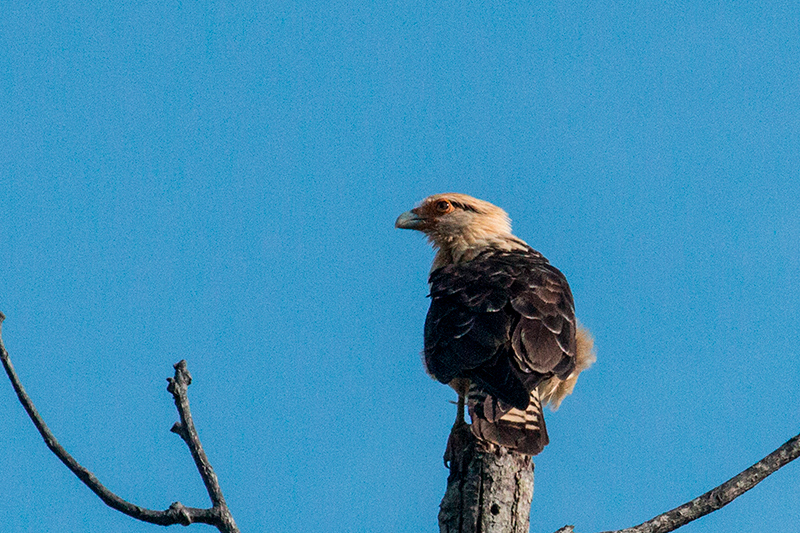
(467, 322)
(500, 307)
(543, 339)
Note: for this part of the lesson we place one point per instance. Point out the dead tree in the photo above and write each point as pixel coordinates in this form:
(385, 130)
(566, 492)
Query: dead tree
(218, 515)
(490, 488)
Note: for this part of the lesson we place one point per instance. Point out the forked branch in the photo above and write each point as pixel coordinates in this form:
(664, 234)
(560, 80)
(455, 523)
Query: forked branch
(218, 515)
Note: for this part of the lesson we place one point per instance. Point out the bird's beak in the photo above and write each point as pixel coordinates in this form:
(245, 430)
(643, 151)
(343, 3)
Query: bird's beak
(409, 220)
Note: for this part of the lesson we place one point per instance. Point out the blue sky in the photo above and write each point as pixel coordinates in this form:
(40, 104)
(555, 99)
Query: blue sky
(218, 181)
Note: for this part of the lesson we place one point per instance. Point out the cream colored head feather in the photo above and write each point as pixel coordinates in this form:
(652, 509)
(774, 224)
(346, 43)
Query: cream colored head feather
(460, 226)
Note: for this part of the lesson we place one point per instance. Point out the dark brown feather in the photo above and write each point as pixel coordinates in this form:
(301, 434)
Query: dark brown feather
(506, 321)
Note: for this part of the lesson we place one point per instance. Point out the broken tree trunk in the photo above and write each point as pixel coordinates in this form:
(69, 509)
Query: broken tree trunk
(489, 489)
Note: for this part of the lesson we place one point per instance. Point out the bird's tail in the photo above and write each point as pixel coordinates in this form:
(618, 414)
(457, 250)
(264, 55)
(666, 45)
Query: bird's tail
(498, 423)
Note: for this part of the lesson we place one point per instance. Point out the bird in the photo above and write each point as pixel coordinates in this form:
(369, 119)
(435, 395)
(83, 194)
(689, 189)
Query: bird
(501, 327)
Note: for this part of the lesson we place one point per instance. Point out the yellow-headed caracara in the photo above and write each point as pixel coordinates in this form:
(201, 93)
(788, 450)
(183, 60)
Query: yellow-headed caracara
(501, 329)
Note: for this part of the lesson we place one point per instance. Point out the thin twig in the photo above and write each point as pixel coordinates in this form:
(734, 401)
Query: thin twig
(720, 496)
(218, 515)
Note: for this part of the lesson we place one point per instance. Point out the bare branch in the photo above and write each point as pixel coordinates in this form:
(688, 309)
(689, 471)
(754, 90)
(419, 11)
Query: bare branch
(218, 515)
(178, 388)
(718, 497)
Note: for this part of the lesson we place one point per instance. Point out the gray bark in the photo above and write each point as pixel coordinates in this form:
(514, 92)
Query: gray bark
(489, 489)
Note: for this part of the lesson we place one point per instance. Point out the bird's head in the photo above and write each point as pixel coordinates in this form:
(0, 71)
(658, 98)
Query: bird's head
(456, 222)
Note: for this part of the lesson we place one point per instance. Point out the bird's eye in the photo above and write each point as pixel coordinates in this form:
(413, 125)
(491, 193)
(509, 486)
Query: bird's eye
(443, 206)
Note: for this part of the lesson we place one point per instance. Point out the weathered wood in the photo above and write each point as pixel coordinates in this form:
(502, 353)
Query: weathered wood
(489, 489)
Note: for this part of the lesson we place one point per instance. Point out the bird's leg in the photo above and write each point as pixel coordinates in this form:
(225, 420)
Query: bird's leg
(460, 410)
(460, 433)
